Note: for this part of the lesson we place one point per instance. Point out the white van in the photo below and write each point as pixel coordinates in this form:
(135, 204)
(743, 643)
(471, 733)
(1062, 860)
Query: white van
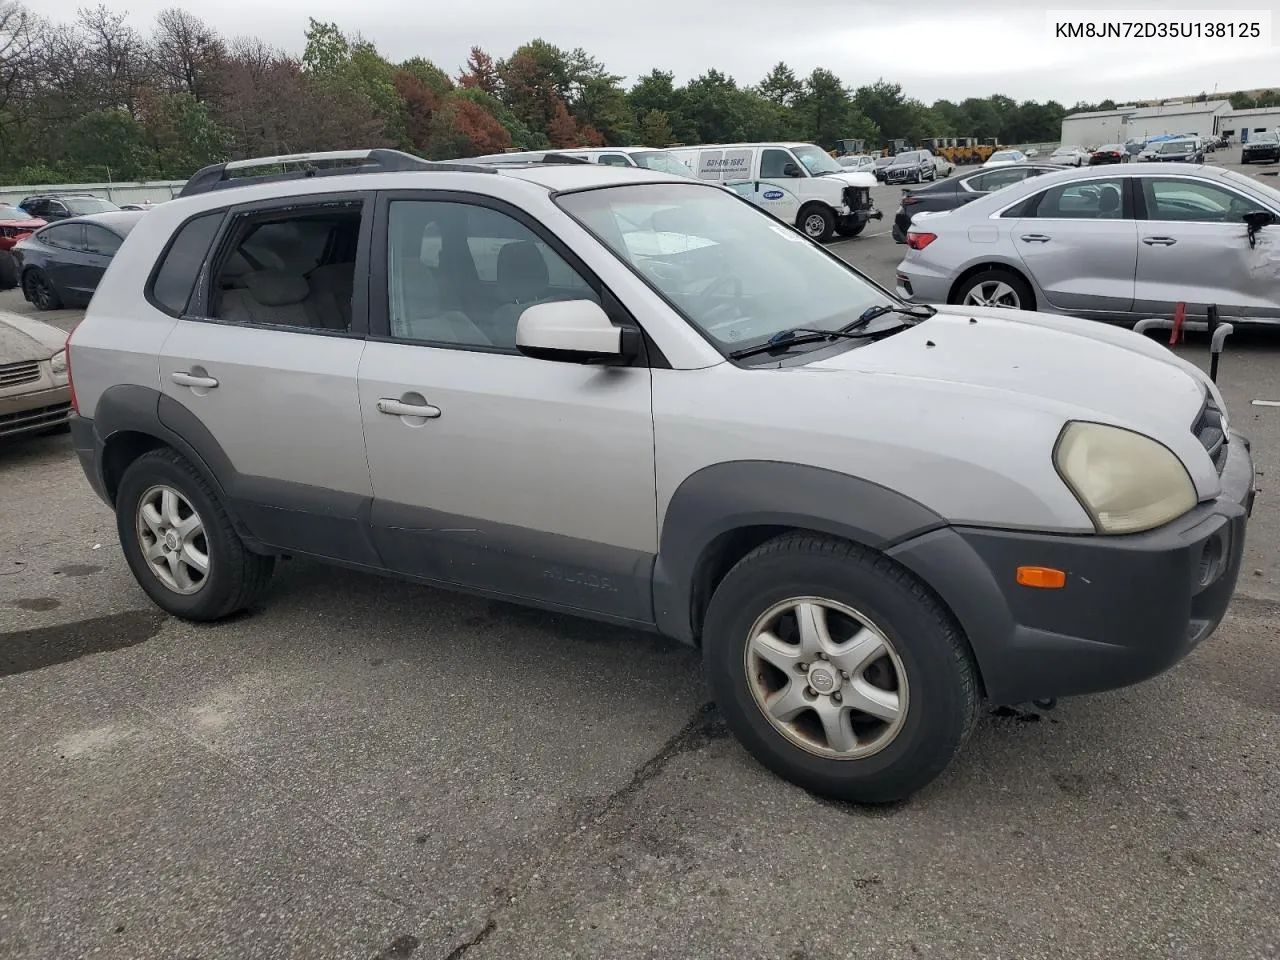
(797, 182)
(650, 158)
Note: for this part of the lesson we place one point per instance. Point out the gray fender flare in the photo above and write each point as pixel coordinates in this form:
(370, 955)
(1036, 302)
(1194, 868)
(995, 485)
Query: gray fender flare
(726, 497)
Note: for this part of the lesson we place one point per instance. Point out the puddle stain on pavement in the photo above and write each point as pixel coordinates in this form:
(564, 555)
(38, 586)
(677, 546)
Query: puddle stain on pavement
(35, 649)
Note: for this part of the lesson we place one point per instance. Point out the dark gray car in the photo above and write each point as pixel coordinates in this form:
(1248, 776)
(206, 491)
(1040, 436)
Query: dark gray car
(61, 264)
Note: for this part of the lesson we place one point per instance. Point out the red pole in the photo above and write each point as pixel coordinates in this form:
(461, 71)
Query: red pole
(1179, 317)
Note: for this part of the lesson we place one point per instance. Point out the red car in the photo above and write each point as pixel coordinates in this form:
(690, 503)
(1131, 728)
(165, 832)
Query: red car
(15, 224)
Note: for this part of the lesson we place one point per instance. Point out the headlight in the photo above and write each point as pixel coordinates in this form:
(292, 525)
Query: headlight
(1125, 481)
(59, 365)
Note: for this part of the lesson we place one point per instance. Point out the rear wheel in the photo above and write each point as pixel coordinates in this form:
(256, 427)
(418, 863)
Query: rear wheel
(179, 541)
(817, 222)
(995, 288)
(38, 289)
(838, 670)
(8, 271)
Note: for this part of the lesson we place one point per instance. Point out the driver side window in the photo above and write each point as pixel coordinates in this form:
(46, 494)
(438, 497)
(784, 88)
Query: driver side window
(1194, 201)
(773, 163)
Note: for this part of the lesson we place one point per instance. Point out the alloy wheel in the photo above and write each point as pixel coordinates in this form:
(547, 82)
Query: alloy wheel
(993, 293)
(172, 538)
(826, 678)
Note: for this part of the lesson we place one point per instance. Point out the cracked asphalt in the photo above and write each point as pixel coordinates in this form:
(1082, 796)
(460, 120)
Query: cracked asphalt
(362, 768)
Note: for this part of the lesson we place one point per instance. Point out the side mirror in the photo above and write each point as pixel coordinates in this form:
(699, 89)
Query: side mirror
(791, 170)
(574, 331)
(1259, 219)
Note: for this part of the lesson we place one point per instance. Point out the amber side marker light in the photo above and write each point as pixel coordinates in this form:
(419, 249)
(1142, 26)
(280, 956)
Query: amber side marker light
(1044, 577)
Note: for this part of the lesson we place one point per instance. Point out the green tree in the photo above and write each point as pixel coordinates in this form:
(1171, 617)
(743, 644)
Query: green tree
(781, 86)
(655, 129)
(184, 136)
(327, 47)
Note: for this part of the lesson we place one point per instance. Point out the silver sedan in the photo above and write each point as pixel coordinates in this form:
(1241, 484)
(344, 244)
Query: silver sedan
(1107, 243)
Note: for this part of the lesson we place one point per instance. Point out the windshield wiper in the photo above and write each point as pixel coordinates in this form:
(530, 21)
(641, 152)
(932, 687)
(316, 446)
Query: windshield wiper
(918, 311)
(785, 339)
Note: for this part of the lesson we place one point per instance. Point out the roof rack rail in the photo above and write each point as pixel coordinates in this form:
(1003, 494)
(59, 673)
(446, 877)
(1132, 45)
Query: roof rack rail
(221, 176)
(498, 160)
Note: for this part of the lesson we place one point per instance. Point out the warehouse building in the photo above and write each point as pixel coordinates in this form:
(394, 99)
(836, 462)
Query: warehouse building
(1238, 124)
(1125, 123)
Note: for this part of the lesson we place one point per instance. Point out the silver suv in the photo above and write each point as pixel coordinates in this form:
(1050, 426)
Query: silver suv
(636, 397)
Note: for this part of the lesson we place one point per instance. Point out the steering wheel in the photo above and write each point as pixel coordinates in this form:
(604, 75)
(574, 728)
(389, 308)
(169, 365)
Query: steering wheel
(722, 281)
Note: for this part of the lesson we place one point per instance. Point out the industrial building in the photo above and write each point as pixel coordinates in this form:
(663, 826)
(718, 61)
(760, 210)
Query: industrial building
(1240, 123)
(1124, 123)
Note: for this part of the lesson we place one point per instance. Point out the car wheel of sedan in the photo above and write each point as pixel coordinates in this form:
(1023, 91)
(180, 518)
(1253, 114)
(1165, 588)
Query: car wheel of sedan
(38, 289)
(180, 543)
(8, 271)
(817, 222)
(995, 288)
(838, 670)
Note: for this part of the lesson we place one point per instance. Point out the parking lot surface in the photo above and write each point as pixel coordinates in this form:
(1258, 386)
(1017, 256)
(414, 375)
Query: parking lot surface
(364, 768)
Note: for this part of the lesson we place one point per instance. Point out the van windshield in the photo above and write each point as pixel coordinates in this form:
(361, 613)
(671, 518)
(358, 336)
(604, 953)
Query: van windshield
(736, 273)
(662, 161)
(816, 160)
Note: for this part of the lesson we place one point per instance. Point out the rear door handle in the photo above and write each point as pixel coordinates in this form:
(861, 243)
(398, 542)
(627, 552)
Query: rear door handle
(184, 379)
(398, 408)
(1035, 238)
(1161, 241)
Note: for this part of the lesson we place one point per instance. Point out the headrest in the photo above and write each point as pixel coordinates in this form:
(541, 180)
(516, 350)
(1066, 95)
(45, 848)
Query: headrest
(277, 288)
(522, 273)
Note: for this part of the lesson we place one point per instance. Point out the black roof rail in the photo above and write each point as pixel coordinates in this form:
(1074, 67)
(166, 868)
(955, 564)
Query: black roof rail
(221, 176)
(499, 160)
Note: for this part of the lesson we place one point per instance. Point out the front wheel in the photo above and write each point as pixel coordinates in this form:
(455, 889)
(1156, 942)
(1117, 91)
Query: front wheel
(817, 222)
(838, 670)
(851, 229)
(179, 541)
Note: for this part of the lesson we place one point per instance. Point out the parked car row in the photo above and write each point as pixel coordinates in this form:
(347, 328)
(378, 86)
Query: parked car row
(1109, 245)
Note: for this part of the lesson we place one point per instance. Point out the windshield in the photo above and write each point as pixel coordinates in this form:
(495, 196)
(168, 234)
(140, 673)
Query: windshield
(1176, 146)
(883, 161)
(13, 213)
(80, 206)
(736, 273)
(815, 160)
(1111, 148)
(661, 161)
(1264, 138)
(1005, 156)
(1268, 191)
(909, 157)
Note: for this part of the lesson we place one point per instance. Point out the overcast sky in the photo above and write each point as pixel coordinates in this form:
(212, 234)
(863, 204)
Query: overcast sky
(934, 48)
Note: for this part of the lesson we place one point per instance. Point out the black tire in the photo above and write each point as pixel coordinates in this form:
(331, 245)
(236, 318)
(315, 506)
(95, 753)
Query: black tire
(1020, 287)
(808, 218)
(898, 235)
(236, 577)
(8, 271)
(39, 290)
(942, 684)
(851, 230)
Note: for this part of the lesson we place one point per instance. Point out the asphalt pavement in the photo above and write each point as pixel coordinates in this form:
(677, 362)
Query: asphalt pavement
(362, 768)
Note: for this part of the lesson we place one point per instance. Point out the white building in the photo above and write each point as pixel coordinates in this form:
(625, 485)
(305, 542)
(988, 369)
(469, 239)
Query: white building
(1235, 123)
(1124, 123)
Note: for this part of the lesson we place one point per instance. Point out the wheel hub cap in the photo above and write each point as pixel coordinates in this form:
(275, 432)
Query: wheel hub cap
(823, 679)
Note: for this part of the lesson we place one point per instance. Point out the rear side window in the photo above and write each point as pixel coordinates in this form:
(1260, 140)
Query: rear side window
(101, 241)
(68, 236)
(176, 277)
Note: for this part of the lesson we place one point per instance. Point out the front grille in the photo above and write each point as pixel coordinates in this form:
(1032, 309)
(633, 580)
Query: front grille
(34, 419)
(12, 374)
(1210, 430)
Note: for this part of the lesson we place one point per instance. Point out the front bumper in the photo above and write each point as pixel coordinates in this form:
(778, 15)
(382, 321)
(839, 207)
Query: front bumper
(1132, 607)
(1257, 156)
(35, 411)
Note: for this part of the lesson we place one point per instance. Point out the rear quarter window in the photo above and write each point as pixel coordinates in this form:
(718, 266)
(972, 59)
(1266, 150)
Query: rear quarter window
(175, 277)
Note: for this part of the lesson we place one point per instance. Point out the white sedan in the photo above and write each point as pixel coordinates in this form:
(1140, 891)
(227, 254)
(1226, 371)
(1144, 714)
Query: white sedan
(1004, 158)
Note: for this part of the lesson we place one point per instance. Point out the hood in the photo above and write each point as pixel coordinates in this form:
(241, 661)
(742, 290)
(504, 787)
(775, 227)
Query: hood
(23, 339)
(1062, 366)
(851, 178)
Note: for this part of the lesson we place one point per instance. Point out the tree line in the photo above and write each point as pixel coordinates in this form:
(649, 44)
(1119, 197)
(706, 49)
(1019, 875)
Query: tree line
(97, 99)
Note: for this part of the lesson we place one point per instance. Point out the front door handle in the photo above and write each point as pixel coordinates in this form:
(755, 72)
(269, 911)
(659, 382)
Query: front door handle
(398, 408)
(184, 379)
(1161, 241)
(1035, 238)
